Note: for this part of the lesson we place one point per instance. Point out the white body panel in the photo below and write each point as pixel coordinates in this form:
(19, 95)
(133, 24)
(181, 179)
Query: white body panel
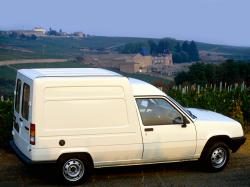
(95, 111)
(209, 124)
(95, 114)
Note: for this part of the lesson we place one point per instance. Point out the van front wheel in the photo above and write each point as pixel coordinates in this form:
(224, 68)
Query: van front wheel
(74, 169)
(216, 157)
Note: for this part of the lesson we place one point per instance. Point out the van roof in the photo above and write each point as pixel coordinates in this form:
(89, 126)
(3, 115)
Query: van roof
(139, 88)
(66, 72)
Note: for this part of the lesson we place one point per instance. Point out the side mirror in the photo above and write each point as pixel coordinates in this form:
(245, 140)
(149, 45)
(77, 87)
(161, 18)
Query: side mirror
(185, 122)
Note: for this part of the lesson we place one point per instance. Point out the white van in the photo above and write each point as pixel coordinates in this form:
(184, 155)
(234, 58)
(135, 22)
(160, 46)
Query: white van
(89, 118)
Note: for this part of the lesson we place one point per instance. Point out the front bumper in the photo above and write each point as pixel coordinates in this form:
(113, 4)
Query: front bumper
(237, 142)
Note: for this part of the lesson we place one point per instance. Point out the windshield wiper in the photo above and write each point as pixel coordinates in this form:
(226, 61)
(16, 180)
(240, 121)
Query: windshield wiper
(191, 114)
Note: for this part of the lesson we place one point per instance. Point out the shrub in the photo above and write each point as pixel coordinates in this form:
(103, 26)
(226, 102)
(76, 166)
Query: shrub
(234, 103)
(6, 117)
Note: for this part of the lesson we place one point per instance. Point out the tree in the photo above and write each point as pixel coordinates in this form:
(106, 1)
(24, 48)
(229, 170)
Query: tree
(52, 32)
(210, 72)
(185, 46)
(131, 48)
(33, 37)
(22, 36)
(177, 57)
(181, 77)
(177, 48)
(230, 72)
(152, 47)
(163, 46)
(13, 34)
(193, 52)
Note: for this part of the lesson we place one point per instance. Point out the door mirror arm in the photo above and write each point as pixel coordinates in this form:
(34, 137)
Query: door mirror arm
(185, 122)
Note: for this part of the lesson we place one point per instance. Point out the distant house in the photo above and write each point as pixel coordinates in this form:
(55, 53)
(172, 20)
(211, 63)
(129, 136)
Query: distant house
(144, 63)
(37, 31)
(161, 62)
(79, 34)
(130, 67)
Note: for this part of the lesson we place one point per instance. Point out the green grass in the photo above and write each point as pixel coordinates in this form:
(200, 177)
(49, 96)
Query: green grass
(55, 47)
(230, 52)
(146, 78)
(50, 65)
(8, 74)
(143, 77)
(58, 47)
(7, 81)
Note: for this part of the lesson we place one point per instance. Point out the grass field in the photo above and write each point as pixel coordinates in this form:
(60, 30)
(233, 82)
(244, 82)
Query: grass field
(8, 74)
(62, 47)
(230, 52)
(53, 47)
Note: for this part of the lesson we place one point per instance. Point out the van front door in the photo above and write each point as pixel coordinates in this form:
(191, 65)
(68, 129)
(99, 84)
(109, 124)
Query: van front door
(166, 135)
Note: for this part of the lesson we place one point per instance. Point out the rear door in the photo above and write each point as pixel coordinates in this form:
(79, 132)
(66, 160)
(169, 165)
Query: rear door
(22, 113)
(17, 105)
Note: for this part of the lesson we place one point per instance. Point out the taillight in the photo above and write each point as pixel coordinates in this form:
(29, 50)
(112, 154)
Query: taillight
(32, 134)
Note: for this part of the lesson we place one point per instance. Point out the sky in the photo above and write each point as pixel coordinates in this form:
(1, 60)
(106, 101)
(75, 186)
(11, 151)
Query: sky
(211, 21)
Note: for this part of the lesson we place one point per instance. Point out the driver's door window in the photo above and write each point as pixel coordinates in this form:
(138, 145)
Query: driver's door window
(156, 111)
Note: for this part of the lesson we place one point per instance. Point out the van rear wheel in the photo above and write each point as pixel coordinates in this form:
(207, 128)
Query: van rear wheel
(74, 169)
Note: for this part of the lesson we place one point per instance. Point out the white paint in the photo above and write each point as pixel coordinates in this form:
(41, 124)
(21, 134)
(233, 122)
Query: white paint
(94, 111)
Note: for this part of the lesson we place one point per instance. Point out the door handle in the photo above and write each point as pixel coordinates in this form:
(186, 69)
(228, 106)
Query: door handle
(148, 129)
(20, 119)
(26, 128)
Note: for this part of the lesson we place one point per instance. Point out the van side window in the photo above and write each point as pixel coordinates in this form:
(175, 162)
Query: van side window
(18, 92)
(25, 101)
(158, 112)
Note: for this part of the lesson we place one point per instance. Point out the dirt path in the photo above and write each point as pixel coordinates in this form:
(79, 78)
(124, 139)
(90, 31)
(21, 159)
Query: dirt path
(26, 61)
(14, 173)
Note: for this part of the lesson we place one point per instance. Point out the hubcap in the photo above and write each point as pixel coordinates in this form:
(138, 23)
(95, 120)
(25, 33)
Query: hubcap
(73, 170)
(219, 157)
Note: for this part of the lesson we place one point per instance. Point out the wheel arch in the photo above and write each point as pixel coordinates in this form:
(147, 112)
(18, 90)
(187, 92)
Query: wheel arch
(218, 138)
(84, 155)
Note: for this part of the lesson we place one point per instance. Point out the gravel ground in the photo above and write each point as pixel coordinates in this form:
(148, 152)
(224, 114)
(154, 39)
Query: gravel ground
(14, 173)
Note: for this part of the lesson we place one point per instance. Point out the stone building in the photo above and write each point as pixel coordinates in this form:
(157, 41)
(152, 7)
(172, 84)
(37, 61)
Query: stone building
(79, 34)
(37, 31)
(145, 63)
(130, 67)
(138, 63)
(160, 63)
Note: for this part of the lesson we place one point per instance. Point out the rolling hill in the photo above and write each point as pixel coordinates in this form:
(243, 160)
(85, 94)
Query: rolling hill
(63, 47)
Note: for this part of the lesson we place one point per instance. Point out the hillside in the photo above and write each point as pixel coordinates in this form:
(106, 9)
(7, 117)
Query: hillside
(233, 52)
(58, 47)
(62, 47)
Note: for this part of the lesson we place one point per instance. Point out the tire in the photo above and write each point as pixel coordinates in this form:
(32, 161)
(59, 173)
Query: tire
(74, 169)
(216, 157)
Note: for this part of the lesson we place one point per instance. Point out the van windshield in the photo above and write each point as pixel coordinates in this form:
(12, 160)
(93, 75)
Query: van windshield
(181, 107)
